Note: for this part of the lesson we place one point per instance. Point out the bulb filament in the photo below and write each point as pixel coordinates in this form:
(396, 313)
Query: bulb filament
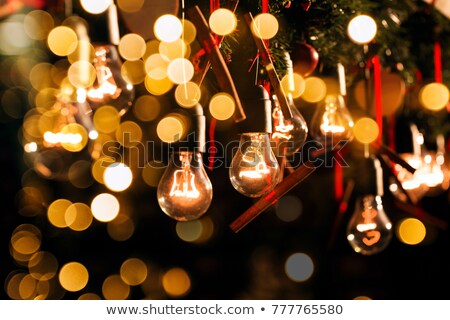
(106, 84)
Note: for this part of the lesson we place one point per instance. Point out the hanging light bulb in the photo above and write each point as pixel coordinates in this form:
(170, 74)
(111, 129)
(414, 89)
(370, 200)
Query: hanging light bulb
(289, 135)
(369, 230)
(254, 170)
(110, 88)
(185, 191)
(55, 139)
(332, 121)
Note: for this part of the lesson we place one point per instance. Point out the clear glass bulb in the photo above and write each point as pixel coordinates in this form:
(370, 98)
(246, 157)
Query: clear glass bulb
(369, 230)
(289, 135)
(185, 191)
(254, 169)
(110, 87)
(332, 121)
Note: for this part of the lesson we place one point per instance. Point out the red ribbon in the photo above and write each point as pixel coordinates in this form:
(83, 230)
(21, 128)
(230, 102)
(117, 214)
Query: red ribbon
(378, 96)
(437, 62)
(338, 181)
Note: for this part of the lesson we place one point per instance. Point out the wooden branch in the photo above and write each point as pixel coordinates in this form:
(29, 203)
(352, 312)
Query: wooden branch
(393, 156)
(289, 182)
(205, 64)
(218, 64)
(270, 68)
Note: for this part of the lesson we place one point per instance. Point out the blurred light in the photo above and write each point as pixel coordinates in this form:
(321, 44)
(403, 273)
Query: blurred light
(73, 276)
(78, 217)
(156, 66)
(168, 28)
(189, 231)
(129, 134)
(158, 87)
(26, 239)
(411, 231)
(79, 134)
(27, 287)
(12, 284)
(89, 296)
(173, 50)
(121, 228)
(180, 70)
(81, 74)
(289, 208)
(106, 119)
(133, 71)
(315, 90)
(62, 41)
(366, 130)
(130, 5)
(118, 177)
(133, 271)
(37, 24)
(30, 147)
(222, 21)
(43, 266)
(14, 40)
(105, 207)
(299, 267)
(362, 29)
(93, 134)
(132, 47)
(146, 108)
(95, 6)
(361, 298)
(188, 95)
(295, 84)
(45, 99)
(434, 96)
(99, 167)
(114, 288)
(189, 31)
(222, 106)
(265, 26)
(170, 129)
(85, 51)
(176, 282)
(56, 212)
(151, 47)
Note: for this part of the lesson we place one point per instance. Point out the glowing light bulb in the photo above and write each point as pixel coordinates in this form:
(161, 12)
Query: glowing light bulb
(332, 121)
(288, 134)
(369, 230)
(254, 169)
(185, 191)
(362, 29)
(110, 88)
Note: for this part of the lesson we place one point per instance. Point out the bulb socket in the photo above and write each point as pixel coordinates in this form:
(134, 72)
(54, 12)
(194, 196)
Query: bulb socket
(258, 109)
(195, 138)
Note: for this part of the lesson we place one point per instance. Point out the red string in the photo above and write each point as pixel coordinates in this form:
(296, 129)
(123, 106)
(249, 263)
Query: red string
(378, 96)
(437, 62)
(212, 149)
(338, 182)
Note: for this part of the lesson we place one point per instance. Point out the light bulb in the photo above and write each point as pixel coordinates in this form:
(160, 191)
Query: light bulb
(288, 134)
(254, 169)
(369, 230)
(57, 138)
(332, 121)
(110, 88)
(185, 191)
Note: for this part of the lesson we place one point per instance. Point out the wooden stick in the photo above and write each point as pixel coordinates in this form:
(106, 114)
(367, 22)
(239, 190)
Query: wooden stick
(218, 64)
(383, 149)
(421, 214)
(271, 72)
(289, 182)
(205, 64)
